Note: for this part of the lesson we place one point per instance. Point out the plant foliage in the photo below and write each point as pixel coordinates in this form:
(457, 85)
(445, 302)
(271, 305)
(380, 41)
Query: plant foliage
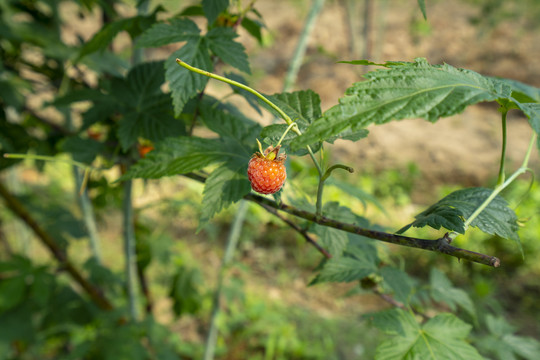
(155, 119)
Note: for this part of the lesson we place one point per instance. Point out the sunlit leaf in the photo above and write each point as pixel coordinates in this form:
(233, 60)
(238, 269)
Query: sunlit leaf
(224, 186)
(166, 33)
(180, 155)
(451, 211)
(221, 42)
(408, 90)
(185, 84)
(441, 337)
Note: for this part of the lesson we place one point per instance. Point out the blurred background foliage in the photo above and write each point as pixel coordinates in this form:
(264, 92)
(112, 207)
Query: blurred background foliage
(268, 311)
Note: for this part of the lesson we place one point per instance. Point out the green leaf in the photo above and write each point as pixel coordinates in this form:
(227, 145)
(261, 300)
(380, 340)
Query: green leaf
(99, 112)
(154, 121)
(442, 290)
(185, 84)
(184, 291)
(503, 344)
(394, 322)
(353, 265)
(104, 37)
(356, 192)
(450, 212)
(441, 337)
(437, 216)
(498, 326)
(398, 282)
(233, 126)
(333, 240)
(224, 186)
(221, 42)
(422, 5)
(349, 134)
(522, 92)
(148, 112)
(175, 31)
(253, 27)
(303, 107)
(368, 63)
(532, 111)
(14, 138)
(408, 90)
(82, 150)
(175, 156)
(55, 217)
(12, 291)
(145, 79)
(212, 8)
(252, 100)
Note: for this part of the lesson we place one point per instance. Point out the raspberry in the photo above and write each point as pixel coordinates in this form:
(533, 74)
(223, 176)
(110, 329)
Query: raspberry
(267, 172)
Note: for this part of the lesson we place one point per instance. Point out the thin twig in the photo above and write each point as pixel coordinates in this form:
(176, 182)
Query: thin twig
(301, 231)
(232, 244)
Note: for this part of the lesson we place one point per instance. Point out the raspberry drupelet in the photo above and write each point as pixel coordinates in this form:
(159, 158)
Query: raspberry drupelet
(266, 172)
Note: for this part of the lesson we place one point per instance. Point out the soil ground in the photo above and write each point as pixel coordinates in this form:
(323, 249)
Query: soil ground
(462, 149)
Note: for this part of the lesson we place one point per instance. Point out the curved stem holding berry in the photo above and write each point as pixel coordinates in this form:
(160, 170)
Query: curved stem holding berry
(293, 124)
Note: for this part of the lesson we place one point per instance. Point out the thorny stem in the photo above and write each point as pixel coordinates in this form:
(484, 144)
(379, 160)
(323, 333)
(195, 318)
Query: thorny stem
(281, 113)
(441, 245)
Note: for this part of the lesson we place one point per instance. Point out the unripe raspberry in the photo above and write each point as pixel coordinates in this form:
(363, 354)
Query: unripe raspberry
(266, 172)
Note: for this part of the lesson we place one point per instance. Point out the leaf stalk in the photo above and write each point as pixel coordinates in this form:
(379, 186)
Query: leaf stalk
(501, 187)
(281, 113)
(501, 177)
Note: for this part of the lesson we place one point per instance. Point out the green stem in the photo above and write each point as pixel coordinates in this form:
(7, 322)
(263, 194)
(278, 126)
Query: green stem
(502, 186)
(281, 113)
(501, 178)
(49, 158)
(300, 50)
(232, 242)
(285, 133)
(237, 84)
(129, 248)
(322, 179)
(88, 214)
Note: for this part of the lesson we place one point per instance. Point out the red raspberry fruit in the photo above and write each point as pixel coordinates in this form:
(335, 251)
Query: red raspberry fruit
(266, 172)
